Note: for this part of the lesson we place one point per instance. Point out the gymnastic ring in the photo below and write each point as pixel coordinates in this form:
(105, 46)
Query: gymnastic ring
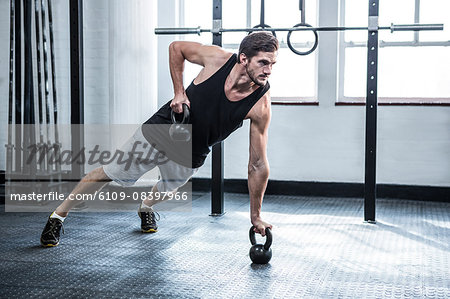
(316, 42)
(263, 26)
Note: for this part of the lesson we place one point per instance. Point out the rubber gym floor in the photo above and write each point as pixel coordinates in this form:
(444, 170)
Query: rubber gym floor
(321, 249)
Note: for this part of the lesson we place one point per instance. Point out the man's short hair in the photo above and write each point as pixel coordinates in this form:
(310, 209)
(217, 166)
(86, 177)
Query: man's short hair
(259, 41)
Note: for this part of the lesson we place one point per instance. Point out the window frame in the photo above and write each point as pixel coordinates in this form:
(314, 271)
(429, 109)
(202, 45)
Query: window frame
(342, 45)
(399, 101)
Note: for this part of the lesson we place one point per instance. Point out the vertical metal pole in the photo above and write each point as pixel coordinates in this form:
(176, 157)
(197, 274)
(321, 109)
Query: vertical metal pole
(371, 114)
(46, 87)
(57, 145)
(341, 50)
(262, 14)
(416, 19)
(249, 13)
(53, 68)
(37, 9)
(76, 82)
(9, 146)
(302, 10)
(45, 52)
(18, 82)
(29, 138)
(217, 186)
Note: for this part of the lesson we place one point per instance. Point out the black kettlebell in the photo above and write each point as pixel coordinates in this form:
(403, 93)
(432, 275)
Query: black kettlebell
(178, 131)
(260, 254)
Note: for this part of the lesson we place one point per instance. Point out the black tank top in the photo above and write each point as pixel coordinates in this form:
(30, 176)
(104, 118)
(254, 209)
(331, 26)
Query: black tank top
(213, 116)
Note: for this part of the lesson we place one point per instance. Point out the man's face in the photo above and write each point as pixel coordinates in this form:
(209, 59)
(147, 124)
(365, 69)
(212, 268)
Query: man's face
(259, 67)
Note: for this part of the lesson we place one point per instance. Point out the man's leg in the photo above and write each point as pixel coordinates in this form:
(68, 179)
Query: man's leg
(93, 181)
(173, 176)
(146, 213)
(150, 201)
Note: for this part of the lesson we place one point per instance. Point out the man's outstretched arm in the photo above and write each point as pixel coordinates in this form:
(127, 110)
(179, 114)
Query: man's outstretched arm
(258, 166)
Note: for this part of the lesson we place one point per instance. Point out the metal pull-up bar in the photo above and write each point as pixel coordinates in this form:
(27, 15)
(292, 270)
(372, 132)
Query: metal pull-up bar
(392, 28)
(373, 26)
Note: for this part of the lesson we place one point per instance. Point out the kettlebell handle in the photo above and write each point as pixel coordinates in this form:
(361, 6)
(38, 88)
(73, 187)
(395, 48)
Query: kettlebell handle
(185, 119)
(268, 237)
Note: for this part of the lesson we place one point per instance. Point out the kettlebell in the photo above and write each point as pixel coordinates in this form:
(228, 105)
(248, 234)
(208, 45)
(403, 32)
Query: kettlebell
(178, 131)
(260, 254)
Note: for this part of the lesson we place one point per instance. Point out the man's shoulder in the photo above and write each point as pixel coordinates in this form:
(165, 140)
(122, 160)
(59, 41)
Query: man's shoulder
(217, 56)
(261, 111)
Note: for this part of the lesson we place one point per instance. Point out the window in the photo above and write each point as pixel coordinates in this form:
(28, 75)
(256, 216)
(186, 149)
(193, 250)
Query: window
(294, 77)
(413, 67)
(195, 14)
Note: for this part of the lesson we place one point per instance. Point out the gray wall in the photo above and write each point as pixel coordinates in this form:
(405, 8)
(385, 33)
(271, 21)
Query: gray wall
(306, 143)
(120, 61)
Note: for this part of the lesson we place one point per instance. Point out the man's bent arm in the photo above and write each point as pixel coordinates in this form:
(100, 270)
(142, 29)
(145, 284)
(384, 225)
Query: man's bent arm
(176, 66)
(258, 166)
(179, 51)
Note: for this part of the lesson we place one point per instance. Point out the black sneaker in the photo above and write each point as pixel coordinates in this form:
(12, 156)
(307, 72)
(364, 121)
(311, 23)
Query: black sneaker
(51, 232)
(148, 220)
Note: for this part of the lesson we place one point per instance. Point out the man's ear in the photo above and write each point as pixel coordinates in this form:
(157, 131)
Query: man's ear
(243, 59)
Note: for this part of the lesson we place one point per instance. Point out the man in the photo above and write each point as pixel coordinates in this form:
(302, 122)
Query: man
(229, 89)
